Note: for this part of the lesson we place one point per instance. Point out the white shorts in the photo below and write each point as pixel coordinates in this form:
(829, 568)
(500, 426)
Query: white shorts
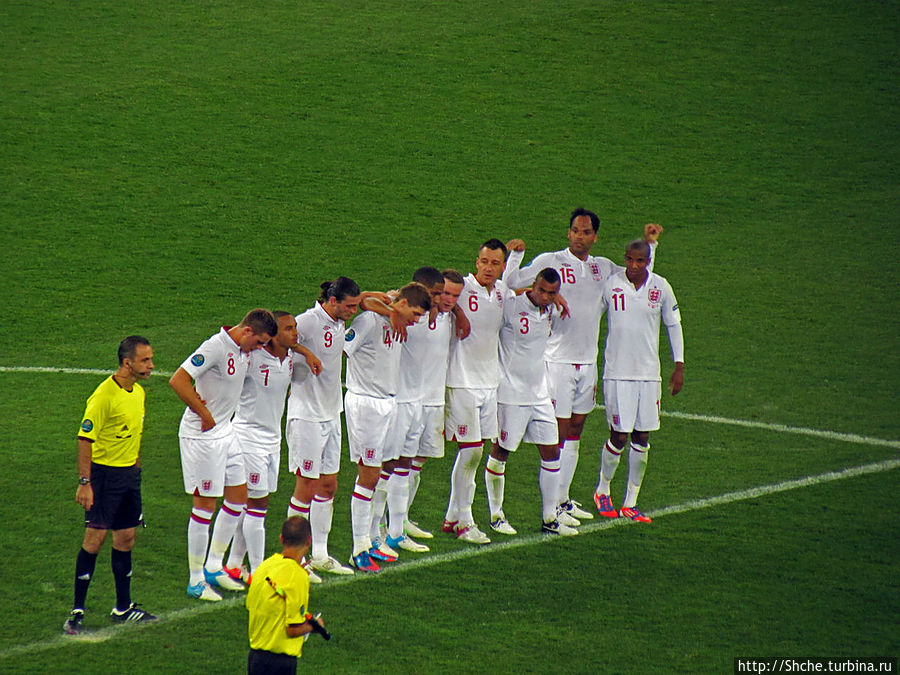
(470, 415)
(314, 448)
(368, 421)
(431, 439)
(407, 422)
(526, 423)
(632, 405)
(260, 463)
(209, 464)
(573, 388)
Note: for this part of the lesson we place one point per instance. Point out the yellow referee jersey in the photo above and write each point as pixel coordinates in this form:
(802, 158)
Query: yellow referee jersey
(272, 609)
(114, 421)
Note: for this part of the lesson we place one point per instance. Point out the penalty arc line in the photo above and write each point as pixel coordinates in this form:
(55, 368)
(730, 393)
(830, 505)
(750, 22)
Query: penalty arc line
(187, 613)
(711, 419)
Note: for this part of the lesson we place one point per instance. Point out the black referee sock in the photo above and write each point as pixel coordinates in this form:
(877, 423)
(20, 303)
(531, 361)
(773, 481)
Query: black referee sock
(84, 570)
(121, 568)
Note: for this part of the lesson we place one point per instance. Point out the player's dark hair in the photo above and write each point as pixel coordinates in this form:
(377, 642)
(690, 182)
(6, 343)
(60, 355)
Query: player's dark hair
(279, 313)
(494, 245)
(428, 276)
(453, 276)
(339, 289)
(550, 275)
(580, 211)
(295, 531)
(416, 295)
(261, 321)
(128, 347)
(639, 245)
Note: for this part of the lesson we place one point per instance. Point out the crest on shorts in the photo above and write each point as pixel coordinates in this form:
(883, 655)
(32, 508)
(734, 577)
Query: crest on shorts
(205, 485)
(198, 360)
(87, 425)
(463, 428)
(253, 479)
(503, 435)
(615, 420)
(307, 465)
(654, 295)
(370, 453)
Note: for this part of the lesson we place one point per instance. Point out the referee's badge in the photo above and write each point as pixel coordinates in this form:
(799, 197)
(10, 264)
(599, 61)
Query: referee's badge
(87, 425)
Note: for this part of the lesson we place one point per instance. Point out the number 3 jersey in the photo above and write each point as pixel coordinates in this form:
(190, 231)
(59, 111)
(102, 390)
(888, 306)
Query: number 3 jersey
(633, 317)
(218, 367)
(523, 339)
(317, 398)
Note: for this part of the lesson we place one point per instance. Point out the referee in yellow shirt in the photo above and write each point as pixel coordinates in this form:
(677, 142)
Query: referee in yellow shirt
(109, 483)
(278, 601)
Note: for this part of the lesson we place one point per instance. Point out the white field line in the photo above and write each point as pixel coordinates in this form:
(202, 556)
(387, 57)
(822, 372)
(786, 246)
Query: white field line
(710, 419)
(470, 551)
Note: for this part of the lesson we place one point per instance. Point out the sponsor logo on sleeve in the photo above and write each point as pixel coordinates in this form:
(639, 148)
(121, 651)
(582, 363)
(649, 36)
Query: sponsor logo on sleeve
(198, 360)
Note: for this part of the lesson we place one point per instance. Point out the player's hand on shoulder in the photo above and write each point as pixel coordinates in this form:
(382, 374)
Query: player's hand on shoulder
(515, 245)
(652, 232)
(562, 306)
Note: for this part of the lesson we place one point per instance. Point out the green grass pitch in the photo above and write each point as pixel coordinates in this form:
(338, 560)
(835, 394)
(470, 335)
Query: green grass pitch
(167, 166)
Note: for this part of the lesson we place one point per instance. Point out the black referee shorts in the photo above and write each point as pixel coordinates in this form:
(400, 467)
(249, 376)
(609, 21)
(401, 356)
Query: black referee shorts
(261, 662)
(117, 497)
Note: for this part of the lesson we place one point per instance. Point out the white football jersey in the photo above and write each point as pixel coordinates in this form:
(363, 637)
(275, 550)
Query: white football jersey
(423, 360)
(218, 367)
(632, 318)
(317, 398)
(262, 401)
(523, 339)
(373, 356)
(573, 339)
(474, 361)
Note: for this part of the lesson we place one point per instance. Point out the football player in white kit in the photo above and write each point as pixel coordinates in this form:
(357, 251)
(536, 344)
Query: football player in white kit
(635, 301)
(257, 430)
(373, 368)
(524, 409)
(472, 378)
(431, 355)
(210, 462)
(313, 430)
(572, 349)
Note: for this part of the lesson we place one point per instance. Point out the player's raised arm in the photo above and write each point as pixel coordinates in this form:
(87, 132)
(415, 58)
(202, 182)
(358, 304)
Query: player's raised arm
(315, 365)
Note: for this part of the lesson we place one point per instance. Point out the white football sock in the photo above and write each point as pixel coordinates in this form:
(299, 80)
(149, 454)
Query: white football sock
(568, 462)
(321, 514)
(397, 501)
(226, 523)
(494, 483)
(254, 531)
(361, 518)
(464, 482)
(238, 544)
(609, 460)
(379, 501)
(548, 481)
(637, 464)
(198, 539)
(415, 477)
(298, 508)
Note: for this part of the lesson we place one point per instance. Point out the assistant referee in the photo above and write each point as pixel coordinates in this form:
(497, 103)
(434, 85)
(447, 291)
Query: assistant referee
(278, 601)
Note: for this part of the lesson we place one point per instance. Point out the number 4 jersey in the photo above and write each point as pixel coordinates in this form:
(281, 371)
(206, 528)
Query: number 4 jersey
(632, 317)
